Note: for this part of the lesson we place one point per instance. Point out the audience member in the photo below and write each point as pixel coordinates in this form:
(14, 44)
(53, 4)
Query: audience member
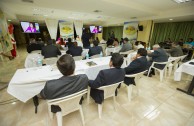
(50, 50)
(116, 43)
(96, 49)
(33, 46)
(159, 55)
(39, 41)
(75, 50)
(138, 45)
(69, 43)
(126, 46)
(86, 39)
(181, 42)
(138, 64)
(121, 42)
(175, 51)
(106, 77)
(66, 85)
(190, 42)
(110, 42)
(61, 42)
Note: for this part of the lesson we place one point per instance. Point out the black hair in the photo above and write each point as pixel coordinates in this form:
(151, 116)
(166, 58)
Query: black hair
(69, 39)
(191, 39)
(95, 42)
(142, 52)
(117, 60)
(66, 64)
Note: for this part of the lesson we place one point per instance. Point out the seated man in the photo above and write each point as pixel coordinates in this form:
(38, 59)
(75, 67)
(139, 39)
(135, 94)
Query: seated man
(139, 64)
(69, 43)
(106, 77)
(96, 49)
(50, 50)
(159, 55)
(75, 50)
(67, 84)
(33, 46)
(175, 51)
(126, 46)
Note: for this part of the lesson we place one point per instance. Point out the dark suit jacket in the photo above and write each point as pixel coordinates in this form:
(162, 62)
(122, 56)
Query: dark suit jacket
(136, 66)
(105, 77)
(75, 51)
(159, 55)
(176, 51)
(69, 44)
(50, 51)
(64, 86)
(95, 50)
(34, 46)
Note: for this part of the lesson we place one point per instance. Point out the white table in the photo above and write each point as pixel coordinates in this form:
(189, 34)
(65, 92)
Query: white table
(110, 50)
(26, 83)
(185, 68)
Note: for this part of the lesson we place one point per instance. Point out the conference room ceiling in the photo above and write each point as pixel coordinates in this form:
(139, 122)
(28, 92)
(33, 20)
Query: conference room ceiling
(107, 12)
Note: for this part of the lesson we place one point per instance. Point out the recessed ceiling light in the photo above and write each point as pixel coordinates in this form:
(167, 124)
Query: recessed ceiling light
(182, 1)
(171, 19)
(9, 20)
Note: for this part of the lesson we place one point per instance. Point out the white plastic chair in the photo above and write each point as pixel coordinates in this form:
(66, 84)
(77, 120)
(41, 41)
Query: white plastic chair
(163, 71)
(95, 56)
(126, 60)
(77, 58)
(68, 104)
(182, 58)
(109, 91)
(130, 87)
(173, 65)
(50, 61)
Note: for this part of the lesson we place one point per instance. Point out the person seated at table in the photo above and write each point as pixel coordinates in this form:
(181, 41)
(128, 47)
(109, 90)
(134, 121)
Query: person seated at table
(105, 77)
(175, 51)
(95, 49)
(139, 64)
(110, 42)
(190, 43)
(60, 42)
(126, 45)
(138, 45)
(69, 43)
(66, 85)
(116, 43)
(159, 55)
(75, 50)
(33, 46)
(50, 50)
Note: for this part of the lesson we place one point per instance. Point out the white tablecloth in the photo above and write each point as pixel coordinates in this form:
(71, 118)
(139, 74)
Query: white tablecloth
(27, 83)
(112, 50)
(186, 68)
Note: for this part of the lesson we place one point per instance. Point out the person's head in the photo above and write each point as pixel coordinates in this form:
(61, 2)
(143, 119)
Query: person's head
(61, 39)
(66, 65)
(125, 40)
(181, 40)
(174, 44)
(97, 39)
(141, 52)
(156, 46)
(95, 43)
(116, 60)
(31, 25)
(137, 43)
(69, 39)
(190, 39)
(50, 42)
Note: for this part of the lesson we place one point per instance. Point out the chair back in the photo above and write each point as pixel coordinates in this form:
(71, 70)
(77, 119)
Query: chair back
(164, 63)
(68, 103)
(137, 75)
(50, 61)
(183, 57)
(109, 90)
(77, 58)
(95, 56)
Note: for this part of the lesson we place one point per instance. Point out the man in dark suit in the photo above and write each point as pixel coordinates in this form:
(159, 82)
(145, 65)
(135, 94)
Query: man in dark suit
(75, 50)
(106, 77)
(138, 65)
(69, 43)
(33, 46)
(50, 50)
(96, 49)
(67, 84)
(159, 55)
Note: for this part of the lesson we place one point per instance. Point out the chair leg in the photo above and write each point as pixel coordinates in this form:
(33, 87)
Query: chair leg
(100, 110)
(82, 115)
(88, 95)
(59, 119)
(114, 100)
(169, 70)
(129, 91)
(149, 71)
(161, 75)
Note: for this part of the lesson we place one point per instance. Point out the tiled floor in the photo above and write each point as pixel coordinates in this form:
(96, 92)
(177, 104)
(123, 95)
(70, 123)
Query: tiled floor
(156, 104)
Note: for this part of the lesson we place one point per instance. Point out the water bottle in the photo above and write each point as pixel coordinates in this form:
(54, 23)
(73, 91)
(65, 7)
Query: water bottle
(87, 56)
(39, 62)
(101, 54)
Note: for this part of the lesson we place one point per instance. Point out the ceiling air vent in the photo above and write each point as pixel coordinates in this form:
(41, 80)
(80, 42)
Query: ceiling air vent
(28, 1)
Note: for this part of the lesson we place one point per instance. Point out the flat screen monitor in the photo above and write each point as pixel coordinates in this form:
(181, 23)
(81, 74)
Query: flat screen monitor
(30, 27)
(96, 29)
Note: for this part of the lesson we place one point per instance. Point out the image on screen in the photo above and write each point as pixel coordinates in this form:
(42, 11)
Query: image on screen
(96, 29)
(30, 27)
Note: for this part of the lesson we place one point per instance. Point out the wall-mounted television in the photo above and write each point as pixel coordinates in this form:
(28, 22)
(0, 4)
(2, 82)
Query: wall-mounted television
(96, 29)
(30, 27)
